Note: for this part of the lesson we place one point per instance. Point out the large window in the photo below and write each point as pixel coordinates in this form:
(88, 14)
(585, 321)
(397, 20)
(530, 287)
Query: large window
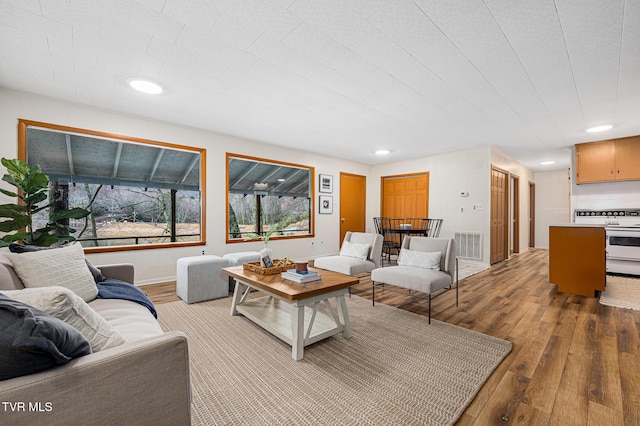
(268, 195)
(141, 193)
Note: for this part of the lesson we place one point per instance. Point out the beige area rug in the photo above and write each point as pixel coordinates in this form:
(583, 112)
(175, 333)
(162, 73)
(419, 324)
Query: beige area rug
(396, 369)
(622, 292)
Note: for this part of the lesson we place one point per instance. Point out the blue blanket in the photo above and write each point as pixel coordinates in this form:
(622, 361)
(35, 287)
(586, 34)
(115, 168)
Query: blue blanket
(116, 289)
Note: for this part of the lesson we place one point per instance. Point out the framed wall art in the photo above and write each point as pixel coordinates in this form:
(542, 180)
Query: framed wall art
(326, 204)
(326, 183)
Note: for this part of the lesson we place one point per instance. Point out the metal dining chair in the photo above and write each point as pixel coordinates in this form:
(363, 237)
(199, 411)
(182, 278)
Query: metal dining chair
(433, 228)
(392, 237)
(377, 223)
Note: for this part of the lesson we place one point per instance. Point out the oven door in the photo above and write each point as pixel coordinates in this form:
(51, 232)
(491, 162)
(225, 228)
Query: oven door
(623, 244)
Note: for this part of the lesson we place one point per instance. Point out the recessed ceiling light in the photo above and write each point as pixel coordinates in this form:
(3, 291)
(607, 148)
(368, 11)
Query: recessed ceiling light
(382, 152)
(546, 163)
(599, 128)
(260, 186)
(145, 86)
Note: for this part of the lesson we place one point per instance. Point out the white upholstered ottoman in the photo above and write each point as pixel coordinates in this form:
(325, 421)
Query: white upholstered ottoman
(238, 259)
(200, 278)
(242, 257)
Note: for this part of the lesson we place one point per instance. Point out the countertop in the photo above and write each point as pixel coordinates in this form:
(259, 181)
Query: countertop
(580, 225)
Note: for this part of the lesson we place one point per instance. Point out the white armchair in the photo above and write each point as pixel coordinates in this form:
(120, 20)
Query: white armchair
(360, 253)
(427, 265)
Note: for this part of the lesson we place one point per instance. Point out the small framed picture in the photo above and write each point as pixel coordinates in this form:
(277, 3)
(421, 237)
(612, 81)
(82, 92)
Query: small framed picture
(268, 263)
(326, 183)
(326, 204)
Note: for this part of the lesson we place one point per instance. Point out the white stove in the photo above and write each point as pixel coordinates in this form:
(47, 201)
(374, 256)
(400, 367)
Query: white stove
(613, 217)
(622, 229)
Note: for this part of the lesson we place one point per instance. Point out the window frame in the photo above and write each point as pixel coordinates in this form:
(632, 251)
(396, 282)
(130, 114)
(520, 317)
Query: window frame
(312, 213)
(24, 124)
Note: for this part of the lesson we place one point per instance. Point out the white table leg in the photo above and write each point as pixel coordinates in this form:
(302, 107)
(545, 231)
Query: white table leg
(297, 325)
(237, 295)
(344, 316)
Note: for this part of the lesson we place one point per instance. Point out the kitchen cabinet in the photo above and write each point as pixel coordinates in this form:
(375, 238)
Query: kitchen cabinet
(628, 158)
(577, 258)
(608, 161)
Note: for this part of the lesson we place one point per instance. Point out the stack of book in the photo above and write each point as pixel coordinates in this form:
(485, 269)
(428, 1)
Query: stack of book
(300, 277)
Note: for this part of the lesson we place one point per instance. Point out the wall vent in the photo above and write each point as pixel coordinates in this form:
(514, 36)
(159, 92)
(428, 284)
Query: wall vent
(469, 245)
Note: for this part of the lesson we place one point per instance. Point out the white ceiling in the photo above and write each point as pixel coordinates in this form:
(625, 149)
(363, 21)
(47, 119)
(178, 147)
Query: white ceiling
(344, 78)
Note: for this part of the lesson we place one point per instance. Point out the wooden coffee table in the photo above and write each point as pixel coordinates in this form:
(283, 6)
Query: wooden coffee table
(289, 310)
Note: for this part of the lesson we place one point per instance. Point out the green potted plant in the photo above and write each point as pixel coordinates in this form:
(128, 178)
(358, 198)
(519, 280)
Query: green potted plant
(31, 190)
(265, 253)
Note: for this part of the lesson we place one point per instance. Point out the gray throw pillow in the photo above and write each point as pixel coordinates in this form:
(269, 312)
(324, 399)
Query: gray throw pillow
(32, 341)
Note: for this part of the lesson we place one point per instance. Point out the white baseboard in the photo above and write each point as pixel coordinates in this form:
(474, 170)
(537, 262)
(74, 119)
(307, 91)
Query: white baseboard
(161, 280)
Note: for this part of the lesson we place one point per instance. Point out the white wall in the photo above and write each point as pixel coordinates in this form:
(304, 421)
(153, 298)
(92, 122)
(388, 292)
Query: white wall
(553, 195)
(606, 195)
(449, 175)
(158, 265)
(453, 173)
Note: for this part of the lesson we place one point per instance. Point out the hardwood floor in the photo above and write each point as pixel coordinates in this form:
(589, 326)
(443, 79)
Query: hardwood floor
(161, 293)
(574, 361)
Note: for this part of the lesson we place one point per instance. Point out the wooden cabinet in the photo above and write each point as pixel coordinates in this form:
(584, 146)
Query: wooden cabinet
(577, 259)
(628, 158)
(608, 161)
(595, 162)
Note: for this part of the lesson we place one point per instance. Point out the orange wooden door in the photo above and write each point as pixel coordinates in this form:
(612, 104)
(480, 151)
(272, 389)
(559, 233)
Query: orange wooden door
(499, 216)
(353, 202)
(515, 230)
(532, 214)
(405, 196)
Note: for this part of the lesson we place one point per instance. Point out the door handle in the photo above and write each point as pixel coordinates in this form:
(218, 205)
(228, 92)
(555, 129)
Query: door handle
(342, 219)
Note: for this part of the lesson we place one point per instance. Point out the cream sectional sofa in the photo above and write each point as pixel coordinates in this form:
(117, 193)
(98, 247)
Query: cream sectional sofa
(144, 381)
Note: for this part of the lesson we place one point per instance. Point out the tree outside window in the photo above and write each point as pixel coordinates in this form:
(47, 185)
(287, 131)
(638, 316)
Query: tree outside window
(266, 194)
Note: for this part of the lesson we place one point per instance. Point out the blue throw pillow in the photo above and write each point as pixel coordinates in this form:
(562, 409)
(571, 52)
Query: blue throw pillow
(33, 341)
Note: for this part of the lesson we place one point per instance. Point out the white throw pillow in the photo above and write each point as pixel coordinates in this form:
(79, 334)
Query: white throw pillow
(420, 259)
(65, 305)
(65, 267)
(359, 251)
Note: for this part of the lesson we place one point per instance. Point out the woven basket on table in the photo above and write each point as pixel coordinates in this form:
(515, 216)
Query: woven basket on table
(279, 265)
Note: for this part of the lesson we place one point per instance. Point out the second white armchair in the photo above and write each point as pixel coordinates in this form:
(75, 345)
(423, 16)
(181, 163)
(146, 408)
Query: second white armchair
(360, 253)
